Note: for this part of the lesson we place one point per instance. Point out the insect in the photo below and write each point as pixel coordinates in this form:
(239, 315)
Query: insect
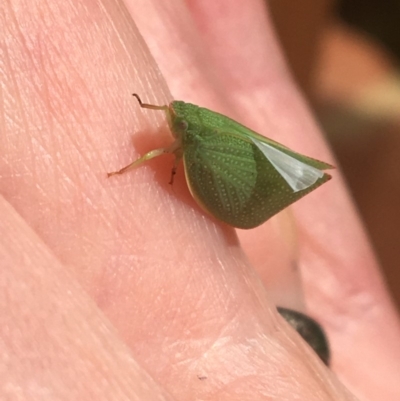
(235, 174)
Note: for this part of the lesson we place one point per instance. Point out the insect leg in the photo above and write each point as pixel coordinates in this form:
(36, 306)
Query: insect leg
(149, 106)
(149, 155)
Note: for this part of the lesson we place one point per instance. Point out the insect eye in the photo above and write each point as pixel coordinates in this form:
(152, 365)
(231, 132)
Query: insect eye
(183, 125)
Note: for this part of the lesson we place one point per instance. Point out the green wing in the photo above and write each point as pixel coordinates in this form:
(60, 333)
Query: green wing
(236, 183)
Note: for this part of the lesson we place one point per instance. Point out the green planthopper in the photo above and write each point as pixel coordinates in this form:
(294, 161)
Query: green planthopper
(238, 176)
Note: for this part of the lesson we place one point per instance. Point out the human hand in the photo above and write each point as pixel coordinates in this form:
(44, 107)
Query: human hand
(106, 278)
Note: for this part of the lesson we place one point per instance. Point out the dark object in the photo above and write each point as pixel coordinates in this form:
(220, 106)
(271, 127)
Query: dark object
(380, 19)
(310, 330)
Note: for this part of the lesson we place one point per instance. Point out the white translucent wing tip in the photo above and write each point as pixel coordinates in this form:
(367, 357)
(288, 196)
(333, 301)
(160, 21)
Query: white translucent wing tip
(296, 173)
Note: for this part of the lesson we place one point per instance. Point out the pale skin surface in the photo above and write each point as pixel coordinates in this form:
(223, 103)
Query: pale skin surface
(104, 279)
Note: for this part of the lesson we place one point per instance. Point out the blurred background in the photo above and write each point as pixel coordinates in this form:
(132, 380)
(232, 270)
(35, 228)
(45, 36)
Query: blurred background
(345, 56)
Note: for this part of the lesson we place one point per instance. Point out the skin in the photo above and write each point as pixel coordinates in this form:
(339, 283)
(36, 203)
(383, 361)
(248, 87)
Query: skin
(123, 288)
